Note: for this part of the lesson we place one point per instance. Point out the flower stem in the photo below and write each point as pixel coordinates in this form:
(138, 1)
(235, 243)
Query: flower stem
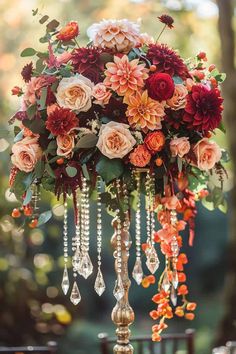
(163, 29)
(76, 42)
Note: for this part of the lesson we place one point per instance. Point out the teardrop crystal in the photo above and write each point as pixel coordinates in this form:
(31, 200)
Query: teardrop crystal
(119, 290)
(165, 283)
(99, 285)
(76, 260)
(175, 279)
(65, 284)
(138, 271)
(173, 296)
(75, 296)
(85, 267)
(152, 260)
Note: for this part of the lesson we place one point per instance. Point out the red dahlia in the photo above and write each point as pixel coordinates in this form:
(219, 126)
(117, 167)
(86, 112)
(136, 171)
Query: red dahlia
(61, 121)
(160, 86)
(203, 108)
(167, 20)
(27, 71)
(167, 60)
(87, 61)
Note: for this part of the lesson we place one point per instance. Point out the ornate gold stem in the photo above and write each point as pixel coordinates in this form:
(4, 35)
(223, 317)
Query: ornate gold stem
(122, 314)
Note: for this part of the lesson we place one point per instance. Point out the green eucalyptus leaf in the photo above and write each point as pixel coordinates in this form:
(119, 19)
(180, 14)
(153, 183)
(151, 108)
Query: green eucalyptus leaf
(71, 171)
(37, 126)
(21, 183)
(49, 170)
(85, 172)
(39, 169)
(43, 98)
(43, 19)
(31, 110)
(52, 25)
(28, 197)
(87, 141)
(28, 52)
(109, 169)
(177, 80)
(44, 217)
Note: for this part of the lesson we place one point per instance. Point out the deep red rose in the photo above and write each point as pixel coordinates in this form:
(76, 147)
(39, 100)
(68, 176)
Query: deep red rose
(61, 121)
(70, 31)
(160, 86)
(203, 111)
(167, 20)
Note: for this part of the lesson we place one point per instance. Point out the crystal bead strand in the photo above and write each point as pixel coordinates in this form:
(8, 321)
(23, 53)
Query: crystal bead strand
(126, 223)
(118, 291)
(152, 261)
(65, 279)
(138, 271)
(175, 250)
(99, 285)
(86, 267)
(35, 198)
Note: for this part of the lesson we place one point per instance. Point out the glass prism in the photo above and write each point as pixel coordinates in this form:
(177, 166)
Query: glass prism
(85, 267)
(138, 271)
(119, 290)
(152, 261)
(99, 285)
(175, 279)
(65, 284)
(76, 260)
(165, 283)
(173, 296)
(75, 296)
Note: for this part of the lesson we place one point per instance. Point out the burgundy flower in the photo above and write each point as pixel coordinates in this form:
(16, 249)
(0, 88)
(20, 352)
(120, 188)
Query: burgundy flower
(27, 71)
(61, 121)
(160, 86)
(167, 20)
(167, 60)
(174, 118)
(87, 61)
(203, 108)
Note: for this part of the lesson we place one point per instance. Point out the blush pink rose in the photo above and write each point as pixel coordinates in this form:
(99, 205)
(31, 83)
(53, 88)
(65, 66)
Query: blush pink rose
(166, 233)
(101, 94)
(26, 153)
(115, 140)
(179, 146)
(170, 202)
(33, 89)
(207, 153)
(65, 145)
(178, 100)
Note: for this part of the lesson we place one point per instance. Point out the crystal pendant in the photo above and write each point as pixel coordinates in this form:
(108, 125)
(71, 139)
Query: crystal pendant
(65, 284)
(85, 267)
(165, 283)
(173, 296)
(175, 279)
(138, 271)
(119, 290)
(75, 296)
(76, 260)
(99, 285)
(152, 260)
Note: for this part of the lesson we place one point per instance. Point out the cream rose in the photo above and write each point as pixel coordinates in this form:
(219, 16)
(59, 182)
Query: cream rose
(26, 153)
(207, 154)
(75, 93)
(115, 140)
(101, 94)
(179, 146)
(178, 100)
(65, 145)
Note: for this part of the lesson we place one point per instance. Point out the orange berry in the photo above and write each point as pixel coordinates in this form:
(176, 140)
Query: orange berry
(159, 162)
(191, 306)
(154, 315)
(28, 211)
(183, 290)
(183, 258)
(16, 213)
(181, 277)
(211, 67)
(202, 55)
(151, 279)
(153, 68)
(179, 311)
(145, 283)
(214, 82)
(60, 161)
(189, 316)
(145, 246)
(33, 223)
(156, 337)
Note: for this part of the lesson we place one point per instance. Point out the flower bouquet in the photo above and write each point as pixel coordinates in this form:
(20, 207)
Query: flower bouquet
(121, 118)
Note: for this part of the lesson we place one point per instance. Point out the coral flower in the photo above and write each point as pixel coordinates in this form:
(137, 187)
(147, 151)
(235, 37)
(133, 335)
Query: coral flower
(70, 31)
(166, 233)
(144, 112)
(124, 76)
(140, 157)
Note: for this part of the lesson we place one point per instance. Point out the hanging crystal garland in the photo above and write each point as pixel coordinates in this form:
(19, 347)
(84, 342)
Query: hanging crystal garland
(138, 271)
(65, 279)
(152, 261)
(99, 285)
(85, 267)
(175, 253)
(118, 291)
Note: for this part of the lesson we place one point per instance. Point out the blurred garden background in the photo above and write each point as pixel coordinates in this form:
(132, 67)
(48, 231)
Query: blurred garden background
(32, 306)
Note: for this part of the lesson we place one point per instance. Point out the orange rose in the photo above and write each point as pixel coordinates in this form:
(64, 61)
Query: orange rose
(70, 31)
(26, 153)
(140, 157)
(65, 145)
(155, 141)
(179, 146)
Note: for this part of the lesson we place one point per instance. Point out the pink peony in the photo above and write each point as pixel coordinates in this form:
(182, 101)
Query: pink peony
(208, 153)
(116, 35)
(179, 146)
(26, 153)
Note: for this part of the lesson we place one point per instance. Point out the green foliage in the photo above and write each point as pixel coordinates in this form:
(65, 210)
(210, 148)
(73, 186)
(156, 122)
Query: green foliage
(71, 171)
(28, 52)
(44, 217)
(87, 141)
(21, 183)
(109, 169)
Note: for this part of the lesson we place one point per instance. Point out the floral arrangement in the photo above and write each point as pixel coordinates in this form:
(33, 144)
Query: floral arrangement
(110, 121)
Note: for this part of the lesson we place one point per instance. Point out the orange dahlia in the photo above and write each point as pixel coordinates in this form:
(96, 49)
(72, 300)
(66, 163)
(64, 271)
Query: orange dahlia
(124, 76)
(144, 112)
